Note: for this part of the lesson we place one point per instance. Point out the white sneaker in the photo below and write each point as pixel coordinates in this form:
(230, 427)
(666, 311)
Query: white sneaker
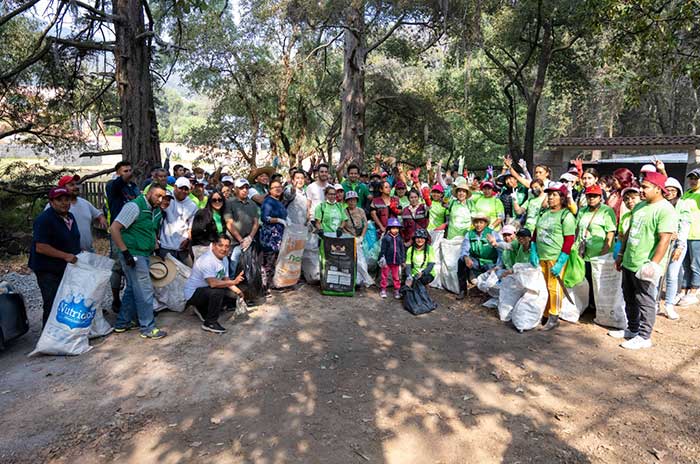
(671, 313)
(689, 299)
(620, 334)
(636, 343)
(677, 299)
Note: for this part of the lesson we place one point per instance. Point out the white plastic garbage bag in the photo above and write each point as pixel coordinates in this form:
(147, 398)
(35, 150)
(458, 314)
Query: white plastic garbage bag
(491, 303)
(487, 282)
(310, 262)
(363, 276)
(289, 259)
(449, 257)
(171, 296)
(528, 310)
(436, 237)
(571, 312)
(76, 313)
(510, 293)
(607, 293)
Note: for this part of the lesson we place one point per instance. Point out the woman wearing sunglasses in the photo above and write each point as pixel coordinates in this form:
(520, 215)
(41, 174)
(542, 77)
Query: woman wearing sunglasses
(208, 224)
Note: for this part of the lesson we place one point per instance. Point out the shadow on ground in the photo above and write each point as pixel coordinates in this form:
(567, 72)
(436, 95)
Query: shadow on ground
(316, 379)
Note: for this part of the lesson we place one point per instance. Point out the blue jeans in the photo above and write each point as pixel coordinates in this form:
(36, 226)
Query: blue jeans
(138, 295)
(691, 265)
(233, 261)
(673, 276)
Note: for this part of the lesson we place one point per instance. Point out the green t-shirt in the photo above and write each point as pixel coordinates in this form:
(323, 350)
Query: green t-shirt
(460, 219)
(593, 228)
(532, 212)
(436, 215)
(359, 188)
(516, 255)
(648, 221)
(624, 224)
(419, 261)
(491, 207)
(403, 201)
(200, 203)
(330, 216)
(551, 229)
(691, 198)
(218, 222)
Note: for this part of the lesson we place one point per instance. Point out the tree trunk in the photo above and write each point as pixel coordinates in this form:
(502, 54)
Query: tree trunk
(132, 56)
(534, 100)
(353, 96)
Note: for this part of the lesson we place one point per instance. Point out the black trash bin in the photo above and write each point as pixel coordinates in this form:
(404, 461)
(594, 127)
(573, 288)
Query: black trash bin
(13, 315)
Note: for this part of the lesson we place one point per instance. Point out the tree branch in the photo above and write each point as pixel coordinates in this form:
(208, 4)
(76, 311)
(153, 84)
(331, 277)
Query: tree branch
(19, 10)
(388, 33)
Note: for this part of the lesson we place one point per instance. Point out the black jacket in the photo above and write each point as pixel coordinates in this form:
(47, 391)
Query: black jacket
(203, 228)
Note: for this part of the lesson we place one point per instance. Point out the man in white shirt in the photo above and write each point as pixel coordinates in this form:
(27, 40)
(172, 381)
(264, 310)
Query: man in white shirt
(85, 213)
(208, 288)
(298, 209)
(177, 224)
(316, 191)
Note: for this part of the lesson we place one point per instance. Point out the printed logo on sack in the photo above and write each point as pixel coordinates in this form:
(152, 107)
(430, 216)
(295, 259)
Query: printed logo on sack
(338, 249)
(75, 312)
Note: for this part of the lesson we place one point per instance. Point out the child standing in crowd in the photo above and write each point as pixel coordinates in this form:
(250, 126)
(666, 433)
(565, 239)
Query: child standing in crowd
(391, 257)
(414, 217)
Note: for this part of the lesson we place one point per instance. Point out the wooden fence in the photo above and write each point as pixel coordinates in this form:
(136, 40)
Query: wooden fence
(94, 192)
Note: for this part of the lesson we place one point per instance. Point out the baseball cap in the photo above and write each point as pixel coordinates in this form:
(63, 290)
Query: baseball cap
(171, 180)
(593, 190)
(657, 179)
(182, 182)
(508, 229)
(64, 180)
(568, 177)
(628, 190)
(480, 216)
(227, 179)
(241, 183)
(58, 192)
(338, 187)
(400, 185)
(557, 187)
(672, 182)
(648, 168)
(351, 194)
(524, 232)
(437, 188)
(695, 172)
(486, 183)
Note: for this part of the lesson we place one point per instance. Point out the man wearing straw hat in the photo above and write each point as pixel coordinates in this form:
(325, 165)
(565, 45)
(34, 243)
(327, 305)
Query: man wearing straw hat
(259, 180)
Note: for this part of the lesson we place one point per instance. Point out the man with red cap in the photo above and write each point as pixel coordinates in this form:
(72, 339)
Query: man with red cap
(642, 260)
(55, 243)
(84, 212)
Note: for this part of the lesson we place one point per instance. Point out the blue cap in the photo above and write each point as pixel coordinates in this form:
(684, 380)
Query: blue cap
(171, 180)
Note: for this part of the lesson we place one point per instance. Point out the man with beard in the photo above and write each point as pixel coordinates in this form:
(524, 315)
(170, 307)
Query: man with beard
(316, 192)
(134, 234)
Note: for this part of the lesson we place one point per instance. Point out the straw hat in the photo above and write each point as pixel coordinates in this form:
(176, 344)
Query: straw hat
(269, 170)
(162, 271)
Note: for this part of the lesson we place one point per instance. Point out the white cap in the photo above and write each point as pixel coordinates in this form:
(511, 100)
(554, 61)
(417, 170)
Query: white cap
(671, 182)
(241, 182)
(182, 182)
(351, 194)
(648, 168)
(227, 179)
(339, 187)
(568, 177)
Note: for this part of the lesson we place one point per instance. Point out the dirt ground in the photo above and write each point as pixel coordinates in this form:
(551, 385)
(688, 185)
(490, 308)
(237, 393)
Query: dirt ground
(315, 379)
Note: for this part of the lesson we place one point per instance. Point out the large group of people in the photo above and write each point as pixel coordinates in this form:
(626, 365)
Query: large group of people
(206, 221)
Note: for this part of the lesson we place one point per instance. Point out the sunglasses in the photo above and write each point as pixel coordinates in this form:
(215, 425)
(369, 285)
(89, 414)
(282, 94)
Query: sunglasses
(217, 200)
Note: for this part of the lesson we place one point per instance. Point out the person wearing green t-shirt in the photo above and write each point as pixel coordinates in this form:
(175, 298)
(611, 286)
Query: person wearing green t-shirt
(532, 206)
(490, 205)
(459, 215)
(437, 214)
(642, 259)
(552, 242)
(420, 259)
(330, 216)
(401, 193)
(691, 263)
(630, 198)
(353, 183)
(595, 232)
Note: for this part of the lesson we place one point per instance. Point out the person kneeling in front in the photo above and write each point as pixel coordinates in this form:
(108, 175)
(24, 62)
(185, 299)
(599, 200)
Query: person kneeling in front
(209, 287)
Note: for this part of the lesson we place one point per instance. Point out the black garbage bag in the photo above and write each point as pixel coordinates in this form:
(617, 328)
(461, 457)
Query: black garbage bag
(338, 263)
(416, 299)
(251, 265)
(13, 315)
